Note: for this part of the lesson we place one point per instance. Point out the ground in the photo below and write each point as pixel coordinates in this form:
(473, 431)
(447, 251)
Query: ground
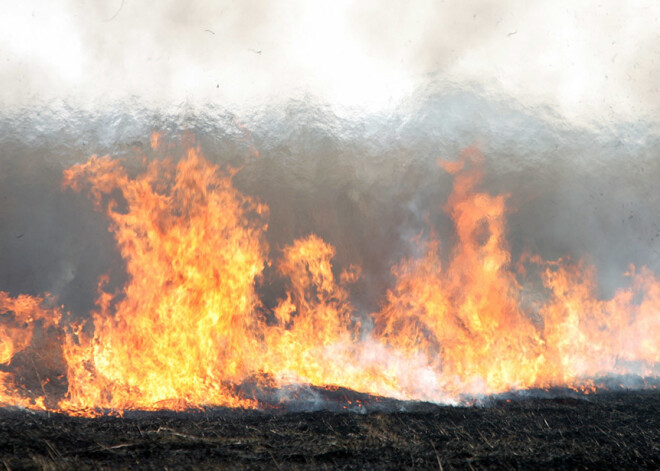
(619, 430)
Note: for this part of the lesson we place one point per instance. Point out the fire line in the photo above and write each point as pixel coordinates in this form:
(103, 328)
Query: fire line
(188, 329)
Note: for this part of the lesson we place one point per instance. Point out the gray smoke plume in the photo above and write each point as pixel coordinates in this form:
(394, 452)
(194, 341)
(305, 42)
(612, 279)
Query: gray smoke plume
(367, 186)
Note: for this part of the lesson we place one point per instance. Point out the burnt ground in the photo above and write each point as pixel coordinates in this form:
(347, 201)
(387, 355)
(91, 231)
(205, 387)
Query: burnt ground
(616, 430)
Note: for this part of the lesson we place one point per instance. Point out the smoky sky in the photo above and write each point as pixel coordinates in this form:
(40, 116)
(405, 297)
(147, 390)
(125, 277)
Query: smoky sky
(588, 61)
(349, 104)
(368, 186)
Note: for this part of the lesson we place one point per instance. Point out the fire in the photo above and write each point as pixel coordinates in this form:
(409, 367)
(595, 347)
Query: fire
(317, 339)
(469, 317)
(183, 328)
(187, 329)
(466, 318)
(18, 318)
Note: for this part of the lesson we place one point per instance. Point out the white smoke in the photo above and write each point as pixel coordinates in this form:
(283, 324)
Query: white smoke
(589, 61)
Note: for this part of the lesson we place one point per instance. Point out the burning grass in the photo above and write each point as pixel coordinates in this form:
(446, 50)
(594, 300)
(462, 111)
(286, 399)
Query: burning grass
(609, 430)
(188, 326)
(185, 366)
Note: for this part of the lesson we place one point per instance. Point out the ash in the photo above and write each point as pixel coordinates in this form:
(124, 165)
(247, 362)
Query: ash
(609, 430)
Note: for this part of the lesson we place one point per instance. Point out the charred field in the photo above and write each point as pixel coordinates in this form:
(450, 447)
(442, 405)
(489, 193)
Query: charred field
(563, 430)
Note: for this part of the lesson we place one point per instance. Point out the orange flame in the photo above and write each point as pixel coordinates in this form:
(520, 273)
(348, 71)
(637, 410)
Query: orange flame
(466, 319)
(18, 317)
(469, 319)
(188, 329)
(183, 328)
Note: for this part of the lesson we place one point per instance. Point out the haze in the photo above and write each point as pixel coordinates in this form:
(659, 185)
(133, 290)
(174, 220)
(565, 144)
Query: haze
(588, 61)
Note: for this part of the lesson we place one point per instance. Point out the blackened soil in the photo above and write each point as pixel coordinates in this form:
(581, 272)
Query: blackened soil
(605, 431)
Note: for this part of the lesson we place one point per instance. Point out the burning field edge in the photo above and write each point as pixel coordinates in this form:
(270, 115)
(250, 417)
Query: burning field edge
(550, 429)
(197, 255)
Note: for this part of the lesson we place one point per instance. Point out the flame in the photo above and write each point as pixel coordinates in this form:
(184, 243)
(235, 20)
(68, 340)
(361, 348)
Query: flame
(466, 318)
(469, 318)
(317, 337)
(187, 329)
(18, 318)
(183, 327)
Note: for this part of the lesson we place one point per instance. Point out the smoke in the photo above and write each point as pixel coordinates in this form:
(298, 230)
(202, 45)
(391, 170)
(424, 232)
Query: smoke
(589, 62)
(368, 186)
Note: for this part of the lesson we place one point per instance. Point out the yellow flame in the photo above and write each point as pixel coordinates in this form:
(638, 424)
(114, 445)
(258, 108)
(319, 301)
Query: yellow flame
(188, 329)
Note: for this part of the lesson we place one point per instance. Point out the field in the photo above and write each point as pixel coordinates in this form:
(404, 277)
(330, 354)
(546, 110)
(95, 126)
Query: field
(611, 430)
